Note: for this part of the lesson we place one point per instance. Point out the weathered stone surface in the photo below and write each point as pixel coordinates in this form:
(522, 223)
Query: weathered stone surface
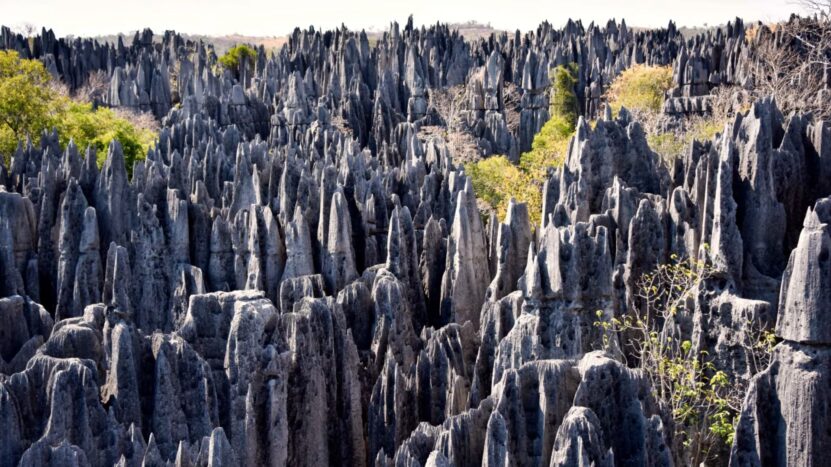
(771, 430)
(72, 217)
(617, 396)
(89, 274)
(513, 240)
(299, 261)
(465, 277)
(21, 322)
(778, 424)
(18, 227)
(121, 389)
(298, 272)
(113, 198)
(805, 295)
(339, 257)
(531, 403)
(579, 441)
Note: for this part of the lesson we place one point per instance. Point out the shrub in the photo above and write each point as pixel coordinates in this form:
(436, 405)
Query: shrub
(496, 180)
(701, 399)
(667, 145)
(237, 55)
(98, 127)
(640, 88)
(30, 103)
(672, 144)
(563, 102)
(548, 148)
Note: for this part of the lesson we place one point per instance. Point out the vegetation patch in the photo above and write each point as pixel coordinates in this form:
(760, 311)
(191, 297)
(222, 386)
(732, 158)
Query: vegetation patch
(96, 128)
(31, 103)
(640, 88)
(496, 180)
(671, 145)
(26, 100)
(702, 399)
(236, 56)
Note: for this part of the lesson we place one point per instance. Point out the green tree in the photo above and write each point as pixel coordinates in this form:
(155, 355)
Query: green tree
(236, 56)
(563, 101)
(548, 148)
(25, 100)
(29, 104)
(496, 180)
(98, 127)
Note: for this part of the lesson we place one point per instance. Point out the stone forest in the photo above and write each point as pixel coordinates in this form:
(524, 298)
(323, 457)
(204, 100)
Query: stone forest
(593, 245)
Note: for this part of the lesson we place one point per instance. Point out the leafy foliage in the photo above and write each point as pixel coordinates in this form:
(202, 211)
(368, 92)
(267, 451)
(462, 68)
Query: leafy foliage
(640, 88)
(25, 100)
(672, 144)
(98, 127)
(548, 148)
(496, 180)
(668, 145)
(237, 55)
(563, 101)
(30, 103)
(702, 400)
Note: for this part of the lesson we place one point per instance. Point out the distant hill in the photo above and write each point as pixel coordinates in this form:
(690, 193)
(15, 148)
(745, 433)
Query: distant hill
(221, 43)
(471, 30)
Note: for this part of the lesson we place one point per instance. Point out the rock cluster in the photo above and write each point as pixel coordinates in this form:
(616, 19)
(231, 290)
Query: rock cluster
(296, 275)
(337, 75)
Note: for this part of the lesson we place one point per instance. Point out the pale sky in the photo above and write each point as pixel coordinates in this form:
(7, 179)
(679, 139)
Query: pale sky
(279, 17)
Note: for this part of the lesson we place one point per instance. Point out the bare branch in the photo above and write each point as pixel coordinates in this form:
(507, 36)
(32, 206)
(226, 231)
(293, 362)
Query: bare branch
(792, 62)
(819, 7)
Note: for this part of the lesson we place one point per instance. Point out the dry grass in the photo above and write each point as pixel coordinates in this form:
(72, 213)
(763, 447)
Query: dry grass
(144, 121)
(791, 65)
(511, 98)
(449, 102)
(95, 88)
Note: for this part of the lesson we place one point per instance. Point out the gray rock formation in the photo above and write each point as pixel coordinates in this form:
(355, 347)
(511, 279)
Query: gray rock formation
(781, 422)
(298, 272)
(466, 272)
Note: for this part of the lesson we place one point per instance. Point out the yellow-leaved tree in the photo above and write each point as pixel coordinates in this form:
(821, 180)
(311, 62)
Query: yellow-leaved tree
(496, 180)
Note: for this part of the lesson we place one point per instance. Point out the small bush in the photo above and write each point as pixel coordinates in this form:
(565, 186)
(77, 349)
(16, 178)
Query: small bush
(671, 145)
(496, 180)
(237, 55)
(563, 102)
(548, 148)
(701, 399)
(667, 145)
(98, 127)
(640, 88)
